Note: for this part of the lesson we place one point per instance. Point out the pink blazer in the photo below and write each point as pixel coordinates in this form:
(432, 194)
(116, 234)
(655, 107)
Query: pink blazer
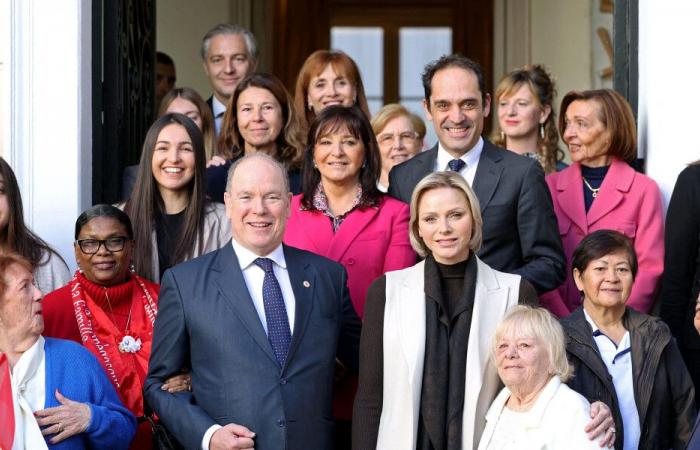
(628, 202)
(369, 242)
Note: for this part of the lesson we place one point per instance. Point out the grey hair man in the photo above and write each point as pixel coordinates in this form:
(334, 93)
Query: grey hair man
(229, 54)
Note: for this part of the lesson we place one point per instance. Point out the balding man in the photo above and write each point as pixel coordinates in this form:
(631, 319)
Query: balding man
(259, 323)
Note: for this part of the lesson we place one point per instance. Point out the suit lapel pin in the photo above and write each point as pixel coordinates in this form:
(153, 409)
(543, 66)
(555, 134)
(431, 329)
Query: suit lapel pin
(306, 284)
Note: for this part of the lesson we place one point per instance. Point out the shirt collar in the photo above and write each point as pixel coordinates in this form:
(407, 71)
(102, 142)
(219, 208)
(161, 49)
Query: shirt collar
(594, 327)
(471, 156)
(247, 257)
(217, 106)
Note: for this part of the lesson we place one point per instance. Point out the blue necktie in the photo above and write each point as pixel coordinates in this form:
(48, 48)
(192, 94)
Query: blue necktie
(456, 165)
(278, 332)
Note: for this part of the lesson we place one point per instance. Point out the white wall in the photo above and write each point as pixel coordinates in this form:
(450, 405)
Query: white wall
(668, 93)
(50, 129)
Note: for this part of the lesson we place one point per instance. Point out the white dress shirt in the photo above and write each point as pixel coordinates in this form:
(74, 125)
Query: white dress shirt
(254, 277)
(218, 109)
(471, 158)
(618, 360)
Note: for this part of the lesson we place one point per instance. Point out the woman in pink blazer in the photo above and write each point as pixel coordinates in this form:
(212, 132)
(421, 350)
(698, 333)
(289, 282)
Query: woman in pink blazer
(601, 191)
(342, 215)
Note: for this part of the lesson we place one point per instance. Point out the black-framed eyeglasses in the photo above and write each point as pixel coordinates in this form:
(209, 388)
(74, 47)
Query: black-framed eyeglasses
(92, 246)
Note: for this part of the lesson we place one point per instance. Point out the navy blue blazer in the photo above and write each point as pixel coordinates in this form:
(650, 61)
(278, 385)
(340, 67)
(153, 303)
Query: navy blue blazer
(207, 321)
(520, 232)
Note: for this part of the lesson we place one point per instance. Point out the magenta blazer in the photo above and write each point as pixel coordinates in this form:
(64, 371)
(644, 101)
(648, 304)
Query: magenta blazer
(369, 242)
(628, 202)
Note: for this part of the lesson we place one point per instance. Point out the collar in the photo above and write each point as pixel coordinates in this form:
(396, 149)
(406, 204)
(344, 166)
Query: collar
(535, 413)
(28, 362)
(320, 201)
(246, 257)
(471, 156)
(216, 106)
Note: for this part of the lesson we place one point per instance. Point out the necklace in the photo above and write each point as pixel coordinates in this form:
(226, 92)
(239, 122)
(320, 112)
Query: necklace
(594, 192)
(128, 344)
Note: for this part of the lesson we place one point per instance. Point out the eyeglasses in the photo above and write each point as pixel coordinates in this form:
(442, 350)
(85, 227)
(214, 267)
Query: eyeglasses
(92, 246)
(405, 137)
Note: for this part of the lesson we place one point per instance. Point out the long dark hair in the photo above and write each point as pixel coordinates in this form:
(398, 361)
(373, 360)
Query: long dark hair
(16, 237)
(145, 201)
(330, 120)
(289, 142)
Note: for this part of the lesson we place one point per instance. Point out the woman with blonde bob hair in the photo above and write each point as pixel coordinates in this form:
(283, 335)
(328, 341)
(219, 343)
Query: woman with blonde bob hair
(427, 329)
(535, 409)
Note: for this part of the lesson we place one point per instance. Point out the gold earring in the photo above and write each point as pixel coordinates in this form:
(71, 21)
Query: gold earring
(542, 130)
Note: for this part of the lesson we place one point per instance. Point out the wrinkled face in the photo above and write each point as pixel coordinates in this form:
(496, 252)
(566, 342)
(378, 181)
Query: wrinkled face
(20, 310)
(520, 114)
(522, 363)
(183, 106)
(108, 266)
(606, 282)
(445, 224)
(585, 134)
(339, 156)
(398, 141)
(227, 63)
(173, 159)
(4, 206)
(456, 109)
(258, 206)
(165, 80)
(330, 88)
(259, 117)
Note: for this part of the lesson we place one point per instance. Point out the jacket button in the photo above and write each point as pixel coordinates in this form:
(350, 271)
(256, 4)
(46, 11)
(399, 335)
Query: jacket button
(283, 381)
(350, 261)
(280, 423)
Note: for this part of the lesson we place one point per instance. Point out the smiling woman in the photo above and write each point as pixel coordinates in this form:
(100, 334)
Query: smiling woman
(172, 219)
(109, 309)
(624, 358)
(342, 215)
(601, 191)
(259, 118)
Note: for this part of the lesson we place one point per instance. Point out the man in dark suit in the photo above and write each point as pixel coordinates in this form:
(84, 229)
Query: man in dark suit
(520, 229)
(229, 54)
(259, 324)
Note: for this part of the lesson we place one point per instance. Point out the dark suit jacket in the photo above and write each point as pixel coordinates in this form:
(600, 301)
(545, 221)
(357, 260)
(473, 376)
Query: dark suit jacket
(210, 102)
(681, 278)
(207, 321)
(520, 229)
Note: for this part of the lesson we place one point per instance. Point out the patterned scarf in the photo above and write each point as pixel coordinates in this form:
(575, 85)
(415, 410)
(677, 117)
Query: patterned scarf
(101, 336)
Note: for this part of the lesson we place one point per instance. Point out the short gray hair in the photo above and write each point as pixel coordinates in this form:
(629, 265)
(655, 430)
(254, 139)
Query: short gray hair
(537, 323)
(229, 28)
(264, 157)
(447, 179)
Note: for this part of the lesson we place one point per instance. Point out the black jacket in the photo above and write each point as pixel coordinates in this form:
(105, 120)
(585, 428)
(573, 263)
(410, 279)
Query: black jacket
(663, 390)
(681, 280)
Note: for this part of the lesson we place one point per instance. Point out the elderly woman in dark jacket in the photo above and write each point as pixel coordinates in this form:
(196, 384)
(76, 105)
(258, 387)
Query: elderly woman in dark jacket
(626, 359)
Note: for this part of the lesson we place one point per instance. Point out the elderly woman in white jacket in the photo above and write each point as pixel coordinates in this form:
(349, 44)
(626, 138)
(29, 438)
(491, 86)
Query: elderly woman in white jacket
(535, 410)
